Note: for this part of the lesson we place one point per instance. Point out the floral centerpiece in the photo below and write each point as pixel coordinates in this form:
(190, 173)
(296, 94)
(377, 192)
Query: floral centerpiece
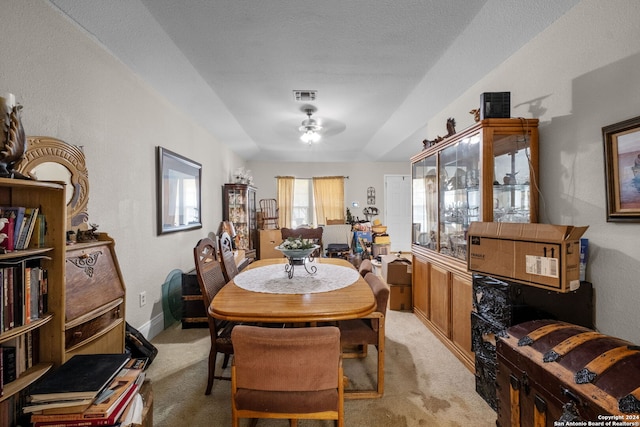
(297, 247)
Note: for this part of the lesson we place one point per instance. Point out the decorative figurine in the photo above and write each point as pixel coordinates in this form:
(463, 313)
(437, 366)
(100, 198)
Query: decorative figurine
(510, 178)
(89, 235)
(451, 130)
(476, 114)
(13, 142)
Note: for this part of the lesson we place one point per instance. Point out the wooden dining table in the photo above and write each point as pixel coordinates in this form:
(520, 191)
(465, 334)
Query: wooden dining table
(241, 305)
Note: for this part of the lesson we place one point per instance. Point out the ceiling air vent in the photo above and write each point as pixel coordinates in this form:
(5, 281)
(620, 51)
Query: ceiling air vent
(304, 95)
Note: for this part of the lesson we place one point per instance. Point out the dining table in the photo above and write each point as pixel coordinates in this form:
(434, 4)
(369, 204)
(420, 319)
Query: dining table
(324, 289)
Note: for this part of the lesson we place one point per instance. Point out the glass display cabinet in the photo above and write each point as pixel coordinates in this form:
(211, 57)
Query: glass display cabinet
(487, 172)
(239, 207)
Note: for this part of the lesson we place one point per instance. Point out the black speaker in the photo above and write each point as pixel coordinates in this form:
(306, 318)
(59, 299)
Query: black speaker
(495, 105)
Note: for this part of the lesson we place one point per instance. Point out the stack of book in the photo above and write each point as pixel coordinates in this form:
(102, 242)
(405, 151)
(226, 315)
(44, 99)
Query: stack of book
(22, 227)
(87, 390)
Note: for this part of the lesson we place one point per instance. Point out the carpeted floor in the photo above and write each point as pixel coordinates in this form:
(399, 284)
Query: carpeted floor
(425, 385)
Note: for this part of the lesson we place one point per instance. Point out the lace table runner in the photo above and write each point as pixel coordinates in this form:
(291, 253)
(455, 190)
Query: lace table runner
(273, 279)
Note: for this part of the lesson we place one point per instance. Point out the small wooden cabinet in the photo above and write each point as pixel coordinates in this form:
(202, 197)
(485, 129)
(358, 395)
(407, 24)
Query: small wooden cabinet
(268, 240)
(487, 172)
(94, 315)
(239, 207)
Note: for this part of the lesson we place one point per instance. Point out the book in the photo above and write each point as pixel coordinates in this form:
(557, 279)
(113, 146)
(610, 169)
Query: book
(59, 406)
(76, 420)
(82, 376)
(34, 281)
(28, 222)
(8, 297)
(7, 227)
(17, 213)
(107, 401)
(39, 228)
(9, 364)
(26, 281)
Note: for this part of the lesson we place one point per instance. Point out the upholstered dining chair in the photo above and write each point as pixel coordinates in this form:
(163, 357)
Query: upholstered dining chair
(287, 373)
(211, 280)
(365, 331)
(229, 267)
(365, 268)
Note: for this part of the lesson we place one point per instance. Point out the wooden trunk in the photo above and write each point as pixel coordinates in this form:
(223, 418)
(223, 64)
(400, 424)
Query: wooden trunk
(553, 373)
(499, 304)
(194, 314)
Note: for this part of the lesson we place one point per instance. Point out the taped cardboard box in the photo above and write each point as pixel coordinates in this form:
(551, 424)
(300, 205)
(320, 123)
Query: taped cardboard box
(542, 255)
(396, 269)
(400, 297)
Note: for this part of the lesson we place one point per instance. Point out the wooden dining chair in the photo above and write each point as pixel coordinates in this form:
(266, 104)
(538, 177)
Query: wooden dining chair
(270, 216)
(313, 234)
(211, 280)
(287, 373)
(365, 331)
(229, 266)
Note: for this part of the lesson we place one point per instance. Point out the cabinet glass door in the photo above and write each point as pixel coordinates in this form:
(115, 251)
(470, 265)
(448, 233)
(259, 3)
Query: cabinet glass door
(512, 178)
(425, 202)
(458, 181)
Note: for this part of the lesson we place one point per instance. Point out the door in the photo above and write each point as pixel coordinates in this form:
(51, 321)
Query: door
(397, 211)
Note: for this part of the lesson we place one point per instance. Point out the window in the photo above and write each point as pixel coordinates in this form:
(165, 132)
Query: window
(305, 201)
(303, 207)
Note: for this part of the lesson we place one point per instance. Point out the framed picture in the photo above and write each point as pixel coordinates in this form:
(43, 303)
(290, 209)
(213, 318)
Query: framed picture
(622, 170)
(178, 188)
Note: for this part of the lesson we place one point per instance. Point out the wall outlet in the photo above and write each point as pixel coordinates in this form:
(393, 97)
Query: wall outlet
(143, 299)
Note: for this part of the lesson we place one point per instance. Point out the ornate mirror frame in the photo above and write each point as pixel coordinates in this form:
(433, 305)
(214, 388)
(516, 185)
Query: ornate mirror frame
(44, 149)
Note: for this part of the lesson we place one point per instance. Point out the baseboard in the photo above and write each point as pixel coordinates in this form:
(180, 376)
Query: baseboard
(153, 327)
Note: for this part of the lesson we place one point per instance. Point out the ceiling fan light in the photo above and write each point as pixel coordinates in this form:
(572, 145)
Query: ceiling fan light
(310, 136)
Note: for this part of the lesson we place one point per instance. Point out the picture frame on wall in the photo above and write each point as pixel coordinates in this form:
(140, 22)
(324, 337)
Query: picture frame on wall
(179, 193)
(622, 170)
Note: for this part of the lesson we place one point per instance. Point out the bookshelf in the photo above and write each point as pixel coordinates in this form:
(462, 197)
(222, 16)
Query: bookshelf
(47, 330)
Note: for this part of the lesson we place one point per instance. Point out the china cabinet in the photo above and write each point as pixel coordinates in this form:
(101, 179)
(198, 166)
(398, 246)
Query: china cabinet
(487, 172)
(239, 207)
(36, 329)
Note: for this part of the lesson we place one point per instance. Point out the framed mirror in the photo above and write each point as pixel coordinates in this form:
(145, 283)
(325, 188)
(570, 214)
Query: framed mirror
(51, 159)
(178, 192)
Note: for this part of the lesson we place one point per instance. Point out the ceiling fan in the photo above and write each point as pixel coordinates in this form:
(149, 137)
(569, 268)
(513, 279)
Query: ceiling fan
(310, 128)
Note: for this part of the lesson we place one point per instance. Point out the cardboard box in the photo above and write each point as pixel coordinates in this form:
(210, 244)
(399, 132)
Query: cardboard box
(400, 297)
(542, 255)
(380, 249)
(396, 269)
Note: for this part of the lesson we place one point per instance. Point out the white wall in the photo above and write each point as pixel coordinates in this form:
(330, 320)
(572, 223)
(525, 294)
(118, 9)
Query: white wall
(361, 176)
(579, 75)
(74, 90)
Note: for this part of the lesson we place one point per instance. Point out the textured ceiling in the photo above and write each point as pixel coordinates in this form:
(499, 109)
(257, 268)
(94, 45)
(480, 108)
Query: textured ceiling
(381, 68)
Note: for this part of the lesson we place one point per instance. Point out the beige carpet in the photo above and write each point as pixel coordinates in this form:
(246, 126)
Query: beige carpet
(425, 384)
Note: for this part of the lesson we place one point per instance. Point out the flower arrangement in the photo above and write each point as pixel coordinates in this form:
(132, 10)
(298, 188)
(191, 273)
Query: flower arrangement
(297, 243)
(243, 176)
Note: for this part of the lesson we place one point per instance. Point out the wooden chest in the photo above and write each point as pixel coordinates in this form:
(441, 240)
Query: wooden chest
(94, 303)
(553, 373)
(194, 314)
(499, 304)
